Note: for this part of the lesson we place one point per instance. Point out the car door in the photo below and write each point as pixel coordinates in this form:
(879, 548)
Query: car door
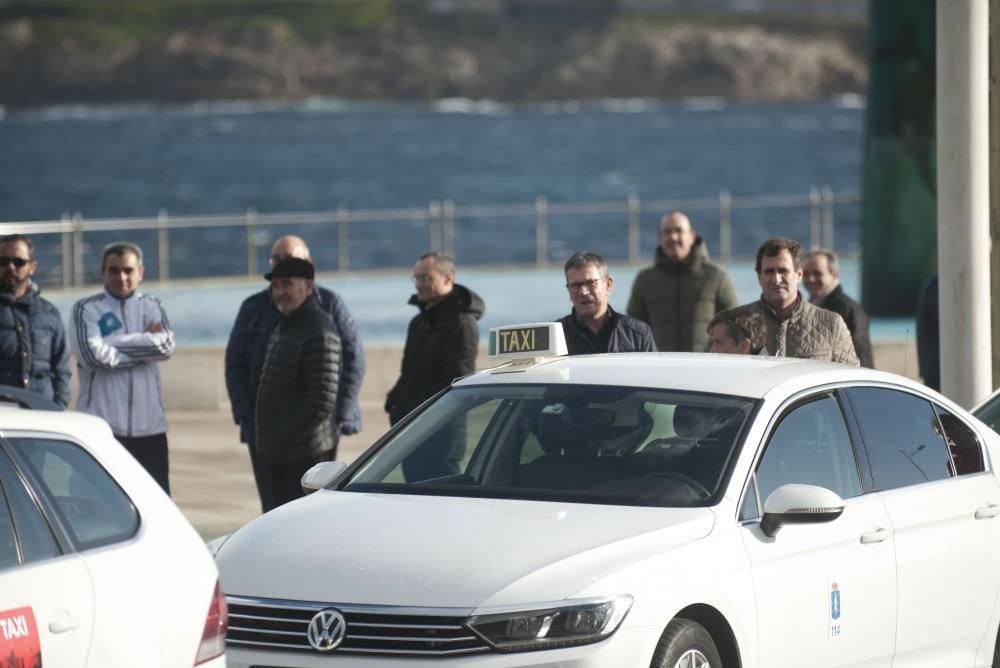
(46, 596)
(99, 519)
(944, 508)
(825, 593)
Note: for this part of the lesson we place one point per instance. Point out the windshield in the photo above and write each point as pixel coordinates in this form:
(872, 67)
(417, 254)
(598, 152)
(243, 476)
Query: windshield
(990, 413)
(588, 444)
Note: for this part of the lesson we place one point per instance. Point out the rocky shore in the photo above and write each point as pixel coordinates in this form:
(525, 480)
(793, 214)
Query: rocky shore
(513, 61)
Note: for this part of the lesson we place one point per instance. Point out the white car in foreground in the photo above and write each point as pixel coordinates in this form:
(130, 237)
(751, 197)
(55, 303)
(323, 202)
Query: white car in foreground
(639, 510)
(98, 568)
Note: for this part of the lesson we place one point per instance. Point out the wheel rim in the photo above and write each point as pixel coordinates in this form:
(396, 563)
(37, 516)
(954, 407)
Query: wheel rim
(692, 659)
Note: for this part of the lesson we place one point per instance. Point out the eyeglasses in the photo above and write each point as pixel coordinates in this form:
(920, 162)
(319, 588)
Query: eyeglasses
(18, 262)
(422, 279)
(591, 285)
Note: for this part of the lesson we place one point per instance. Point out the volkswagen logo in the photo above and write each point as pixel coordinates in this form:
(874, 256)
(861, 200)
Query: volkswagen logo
(326, 630)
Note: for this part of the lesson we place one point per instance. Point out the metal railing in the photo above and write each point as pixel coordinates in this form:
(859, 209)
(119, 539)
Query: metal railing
(69, 239)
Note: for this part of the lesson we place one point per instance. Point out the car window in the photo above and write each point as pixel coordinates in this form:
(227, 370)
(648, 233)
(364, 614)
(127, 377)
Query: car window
(89, 502)
(989, 413)
(8, 544)
(902, 435)
(32, 529)
(581, 443)
(966, 450)
(812, 446)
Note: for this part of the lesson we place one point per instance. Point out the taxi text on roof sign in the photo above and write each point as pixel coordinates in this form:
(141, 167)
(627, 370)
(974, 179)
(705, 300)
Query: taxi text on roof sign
(530, 340)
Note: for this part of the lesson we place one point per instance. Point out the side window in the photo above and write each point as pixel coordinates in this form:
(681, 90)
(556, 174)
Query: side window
(902, 434)
(8, 545)
(31, 527)
(90, 503)
(966, 451)
(810, 446)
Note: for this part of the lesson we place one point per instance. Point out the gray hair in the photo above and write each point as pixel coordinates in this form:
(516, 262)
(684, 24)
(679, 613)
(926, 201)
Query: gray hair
(442, 262)
(584, 259)
(831, 259)
(120, 248)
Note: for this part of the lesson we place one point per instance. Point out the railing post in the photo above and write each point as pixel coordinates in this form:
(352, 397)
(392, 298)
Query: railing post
(77, 249)
(343, 239)
(828, 217)
(448, 227)
(815, 214)
(163, 245)
(634, 207)
(66, 254)
(251, 225)
(541, 232)
(433, 218)
(725, 225)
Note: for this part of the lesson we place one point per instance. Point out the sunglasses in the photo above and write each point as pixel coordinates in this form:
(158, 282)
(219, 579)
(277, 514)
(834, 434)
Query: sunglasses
(16, 261)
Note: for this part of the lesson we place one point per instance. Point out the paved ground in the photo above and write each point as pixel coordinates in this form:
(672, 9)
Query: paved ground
(210, 477)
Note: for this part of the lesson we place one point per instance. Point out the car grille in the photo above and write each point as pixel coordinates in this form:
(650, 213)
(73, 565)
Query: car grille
(282, 625)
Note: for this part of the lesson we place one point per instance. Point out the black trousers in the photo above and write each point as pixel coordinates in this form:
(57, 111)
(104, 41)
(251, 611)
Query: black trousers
(280, 481)
(151, 452)
(263, 474)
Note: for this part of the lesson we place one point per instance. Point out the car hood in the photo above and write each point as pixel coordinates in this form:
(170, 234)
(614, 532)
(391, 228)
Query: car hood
(385, 549)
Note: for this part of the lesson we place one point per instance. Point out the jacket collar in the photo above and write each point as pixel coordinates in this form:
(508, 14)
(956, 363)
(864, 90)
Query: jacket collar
(796, 310)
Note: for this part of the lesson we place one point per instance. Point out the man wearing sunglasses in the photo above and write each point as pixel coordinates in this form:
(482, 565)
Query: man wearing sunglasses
(33, 350)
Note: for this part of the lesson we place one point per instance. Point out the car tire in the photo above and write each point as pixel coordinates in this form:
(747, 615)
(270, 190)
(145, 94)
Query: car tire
(686, 644)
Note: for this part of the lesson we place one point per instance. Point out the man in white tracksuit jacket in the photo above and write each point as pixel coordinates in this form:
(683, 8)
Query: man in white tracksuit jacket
(119, 337)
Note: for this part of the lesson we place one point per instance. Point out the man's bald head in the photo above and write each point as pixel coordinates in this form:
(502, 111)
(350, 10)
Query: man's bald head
(289, 246)
(676, 236)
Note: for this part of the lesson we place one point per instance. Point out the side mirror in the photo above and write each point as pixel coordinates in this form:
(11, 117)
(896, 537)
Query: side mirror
(799, 504)
(321, 475)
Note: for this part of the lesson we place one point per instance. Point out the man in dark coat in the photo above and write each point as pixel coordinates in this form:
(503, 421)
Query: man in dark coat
(33, 350)
(593, 326)
(821, 276)
(682, 291)
(298, 383)
(442, 342)
(247, 345)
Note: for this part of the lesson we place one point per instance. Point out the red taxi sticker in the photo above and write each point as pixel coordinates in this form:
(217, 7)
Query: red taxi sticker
(19, 638)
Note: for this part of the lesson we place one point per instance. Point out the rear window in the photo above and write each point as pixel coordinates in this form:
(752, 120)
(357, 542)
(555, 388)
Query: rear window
(91, 505)
(589, 444)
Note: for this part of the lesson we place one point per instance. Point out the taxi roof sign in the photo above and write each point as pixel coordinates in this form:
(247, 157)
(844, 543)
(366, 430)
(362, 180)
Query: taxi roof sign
(532, 341)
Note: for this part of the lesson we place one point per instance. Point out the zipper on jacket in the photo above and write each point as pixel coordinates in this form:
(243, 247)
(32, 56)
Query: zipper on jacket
(128, 404)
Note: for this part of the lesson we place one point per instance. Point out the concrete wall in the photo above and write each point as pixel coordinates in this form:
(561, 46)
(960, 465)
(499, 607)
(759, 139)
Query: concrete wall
(194, 378)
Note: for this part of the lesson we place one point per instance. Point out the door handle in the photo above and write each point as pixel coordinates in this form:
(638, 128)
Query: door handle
(876, 536)
(63, 623)
(986, 512)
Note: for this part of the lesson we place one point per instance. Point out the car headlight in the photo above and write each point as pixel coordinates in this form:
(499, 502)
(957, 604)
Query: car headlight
(564, 624)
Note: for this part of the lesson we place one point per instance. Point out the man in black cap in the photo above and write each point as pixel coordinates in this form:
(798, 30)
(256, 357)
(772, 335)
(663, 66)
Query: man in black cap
(297, 392)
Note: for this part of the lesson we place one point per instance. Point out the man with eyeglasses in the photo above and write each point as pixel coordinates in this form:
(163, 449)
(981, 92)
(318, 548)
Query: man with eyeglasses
(33, 350)
(247, 347)
(593, 326)
(442, 342)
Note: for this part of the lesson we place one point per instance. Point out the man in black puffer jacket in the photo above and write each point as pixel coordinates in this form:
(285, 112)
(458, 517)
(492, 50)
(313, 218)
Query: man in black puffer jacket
(441, 345)
(297, 392)
(33, 351)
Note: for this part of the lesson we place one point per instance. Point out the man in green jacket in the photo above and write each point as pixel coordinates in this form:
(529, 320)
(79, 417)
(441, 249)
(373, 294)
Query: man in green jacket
(680, 294)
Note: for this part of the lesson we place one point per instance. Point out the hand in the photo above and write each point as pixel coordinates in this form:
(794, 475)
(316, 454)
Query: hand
(154, 327)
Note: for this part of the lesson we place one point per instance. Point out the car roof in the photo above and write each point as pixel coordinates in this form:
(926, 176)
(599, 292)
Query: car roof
(739, 375)
(71, 423)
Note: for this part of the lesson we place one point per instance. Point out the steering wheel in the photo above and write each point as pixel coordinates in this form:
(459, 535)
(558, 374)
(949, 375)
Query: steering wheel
(700, 490)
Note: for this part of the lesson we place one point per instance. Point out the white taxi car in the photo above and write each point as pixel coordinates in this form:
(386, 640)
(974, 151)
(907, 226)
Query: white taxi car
(638, 510)
(97, 566)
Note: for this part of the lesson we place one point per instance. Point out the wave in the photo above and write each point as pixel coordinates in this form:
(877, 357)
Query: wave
(849, 101)
(464, 105)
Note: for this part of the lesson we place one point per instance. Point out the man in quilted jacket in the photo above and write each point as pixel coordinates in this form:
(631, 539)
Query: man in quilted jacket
(297, 392)
(792, 326)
